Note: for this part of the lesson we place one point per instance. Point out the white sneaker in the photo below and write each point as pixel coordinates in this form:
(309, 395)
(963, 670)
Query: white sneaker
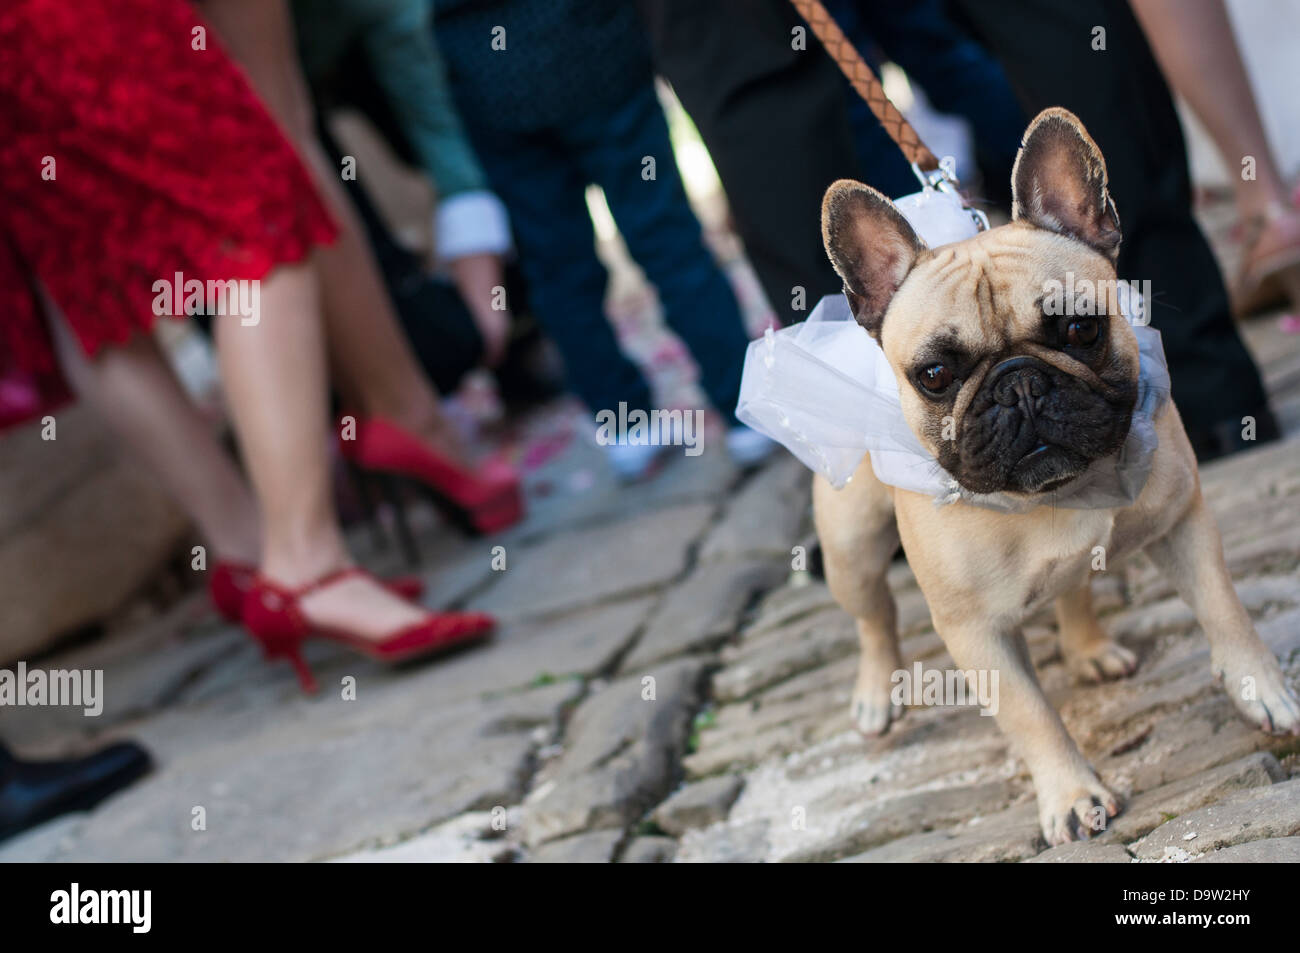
(748, 447)
(631, 461)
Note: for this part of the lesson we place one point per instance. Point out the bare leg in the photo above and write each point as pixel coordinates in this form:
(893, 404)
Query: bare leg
(1194, 43)
(275, 377)
(374, 369)
(134, 389)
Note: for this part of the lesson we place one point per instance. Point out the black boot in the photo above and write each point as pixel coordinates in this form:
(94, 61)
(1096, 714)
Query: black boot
(35, 791)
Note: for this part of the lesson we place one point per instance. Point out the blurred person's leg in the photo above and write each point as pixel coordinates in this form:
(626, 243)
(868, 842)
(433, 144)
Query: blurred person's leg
(1120, 95)
(447, 338)
(439, 328)
(665, 238)
(958, 75)
(133, 388)
(545, 192)
(1194, 41)
(376, 373)
(476, 274)
(883, 165)
(776, 125)
(275, 378)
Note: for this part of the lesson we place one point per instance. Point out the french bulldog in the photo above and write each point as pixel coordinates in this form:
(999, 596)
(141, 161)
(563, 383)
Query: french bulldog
(1012, 398)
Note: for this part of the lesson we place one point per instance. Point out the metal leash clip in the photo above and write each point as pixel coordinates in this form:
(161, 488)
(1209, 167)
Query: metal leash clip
(944, 179)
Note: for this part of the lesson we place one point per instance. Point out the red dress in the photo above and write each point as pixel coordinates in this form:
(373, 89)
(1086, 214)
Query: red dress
(128, 156)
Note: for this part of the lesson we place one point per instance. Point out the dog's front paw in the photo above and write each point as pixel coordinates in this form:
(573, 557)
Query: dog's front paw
(1075, 808)
(1103, 661)
(1256, 685)
(873, 708)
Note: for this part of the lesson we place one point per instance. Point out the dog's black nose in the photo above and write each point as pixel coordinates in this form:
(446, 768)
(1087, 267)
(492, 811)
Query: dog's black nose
(1017, 379)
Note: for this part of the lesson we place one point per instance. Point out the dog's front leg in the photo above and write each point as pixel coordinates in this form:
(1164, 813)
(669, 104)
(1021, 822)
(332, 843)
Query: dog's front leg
(1072, 802)
(1191, 557)
(859, 538)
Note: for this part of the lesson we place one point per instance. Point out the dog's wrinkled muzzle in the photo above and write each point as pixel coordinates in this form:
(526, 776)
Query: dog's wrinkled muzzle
(1019, 382)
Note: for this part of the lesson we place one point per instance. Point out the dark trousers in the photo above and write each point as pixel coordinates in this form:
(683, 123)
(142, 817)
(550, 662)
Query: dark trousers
(775, 122)
(1046, 48)
(542, 178)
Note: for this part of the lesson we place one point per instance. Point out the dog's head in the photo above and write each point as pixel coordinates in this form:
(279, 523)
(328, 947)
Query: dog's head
(1009, 391)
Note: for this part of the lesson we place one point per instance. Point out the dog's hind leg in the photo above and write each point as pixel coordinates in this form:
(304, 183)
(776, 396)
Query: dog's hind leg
(859, 538)
(1090, 654)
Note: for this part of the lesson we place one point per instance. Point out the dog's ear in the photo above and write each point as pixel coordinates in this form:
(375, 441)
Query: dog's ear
(1059, 183)
(871, 246)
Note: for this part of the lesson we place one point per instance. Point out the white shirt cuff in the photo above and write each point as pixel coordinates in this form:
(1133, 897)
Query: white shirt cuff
(471, 223)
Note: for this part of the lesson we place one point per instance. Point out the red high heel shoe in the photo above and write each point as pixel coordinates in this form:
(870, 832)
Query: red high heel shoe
(229, 582)
(273, 617)
(485, 501)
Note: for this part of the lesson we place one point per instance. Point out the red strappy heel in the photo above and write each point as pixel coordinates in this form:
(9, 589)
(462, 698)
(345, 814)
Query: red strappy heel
(485, 501)
(229, 582)
(273, 617)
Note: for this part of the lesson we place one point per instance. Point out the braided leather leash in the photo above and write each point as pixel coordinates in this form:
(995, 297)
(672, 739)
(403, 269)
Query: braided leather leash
(864, 81)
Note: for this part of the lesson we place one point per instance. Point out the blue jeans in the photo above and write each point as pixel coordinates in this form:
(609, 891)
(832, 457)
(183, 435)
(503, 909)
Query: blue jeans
(542, 178)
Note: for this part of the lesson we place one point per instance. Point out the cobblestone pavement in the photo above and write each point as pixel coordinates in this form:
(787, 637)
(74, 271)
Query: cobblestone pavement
(665, 686)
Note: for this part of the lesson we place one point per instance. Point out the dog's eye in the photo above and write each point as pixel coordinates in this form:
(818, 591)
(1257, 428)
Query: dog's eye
(1082, 333)
(936, 378)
